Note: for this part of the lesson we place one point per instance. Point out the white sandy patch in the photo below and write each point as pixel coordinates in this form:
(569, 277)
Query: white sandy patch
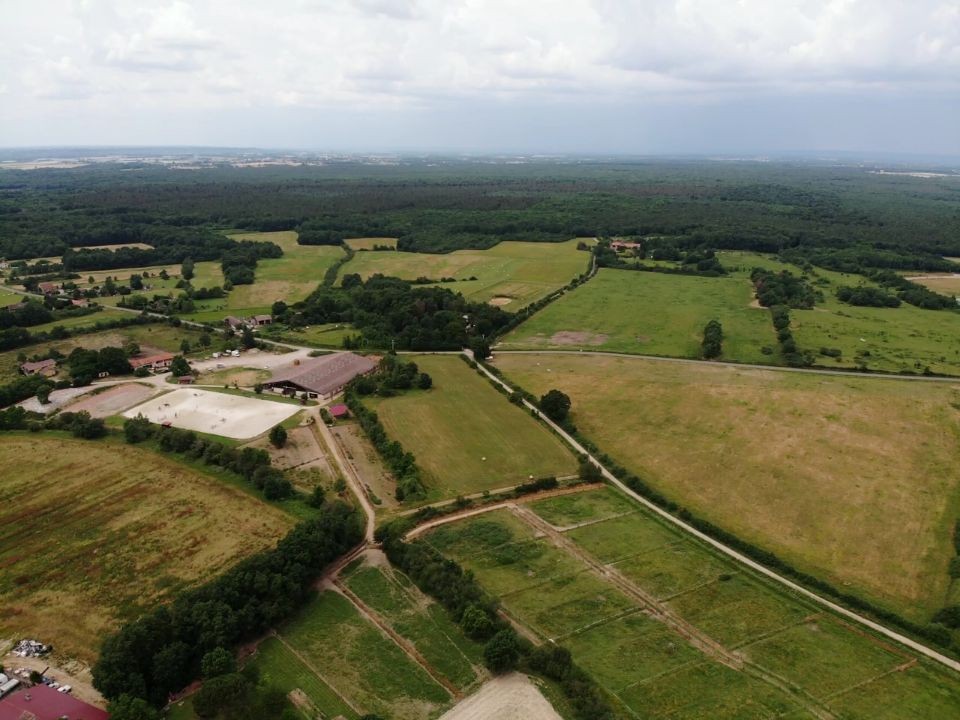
(508, 697)
(232, 416)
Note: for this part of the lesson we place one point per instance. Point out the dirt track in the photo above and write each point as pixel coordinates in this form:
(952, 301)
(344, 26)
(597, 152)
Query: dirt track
(508, 697)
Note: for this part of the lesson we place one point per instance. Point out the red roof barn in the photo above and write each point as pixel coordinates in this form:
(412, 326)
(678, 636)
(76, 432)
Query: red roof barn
(45, 703)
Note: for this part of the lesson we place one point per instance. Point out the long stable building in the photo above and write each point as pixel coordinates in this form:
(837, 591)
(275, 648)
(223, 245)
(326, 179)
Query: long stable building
(321, 377)
(44, 703)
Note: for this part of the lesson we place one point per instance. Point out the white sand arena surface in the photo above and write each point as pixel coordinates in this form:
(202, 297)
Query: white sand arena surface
(232, 416)
(508, 697)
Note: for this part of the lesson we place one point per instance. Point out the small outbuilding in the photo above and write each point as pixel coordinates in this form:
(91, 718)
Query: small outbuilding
(46, 367)
(260, 320)
(339, 411)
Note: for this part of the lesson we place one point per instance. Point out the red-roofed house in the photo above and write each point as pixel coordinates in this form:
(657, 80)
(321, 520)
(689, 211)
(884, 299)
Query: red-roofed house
(339, 411)
(49, 288)
(45, 703)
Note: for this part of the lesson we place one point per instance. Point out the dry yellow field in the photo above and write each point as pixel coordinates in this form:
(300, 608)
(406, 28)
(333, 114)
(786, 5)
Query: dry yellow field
(946, 283)
(854, 480)
(92, 533)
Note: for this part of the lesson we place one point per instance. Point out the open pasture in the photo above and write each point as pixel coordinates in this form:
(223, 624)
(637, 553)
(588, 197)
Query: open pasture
(92, 533)
(232, 416)
(651, 314)
(851, 479)
(801, 662)
(361, 663)
(466, 436)
(510, 274)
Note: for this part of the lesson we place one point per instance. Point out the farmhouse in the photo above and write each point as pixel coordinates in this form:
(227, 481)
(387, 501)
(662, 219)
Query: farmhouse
(621, 245)
(259, 320)
(233, 322)
(324, 376)
(158, 361)
(49, 288)
(45, 703)
(41, 367)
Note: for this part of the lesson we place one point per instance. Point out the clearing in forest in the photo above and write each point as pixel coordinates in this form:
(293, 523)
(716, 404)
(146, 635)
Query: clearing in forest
(514, 274)
(672, 630)
(92, 534)
(466, 436)
(853, 480)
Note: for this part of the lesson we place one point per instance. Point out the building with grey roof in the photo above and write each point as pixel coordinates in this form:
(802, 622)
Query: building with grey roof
(321, 377)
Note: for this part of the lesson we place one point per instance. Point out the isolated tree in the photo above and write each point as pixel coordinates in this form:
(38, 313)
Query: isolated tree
(186, 269)
(136, 282)
(555, 405)
(184, 346)
(278, 436)
(43, 394)
(137, 429)
(205, 340)
(424, 381)
(712, 340)
(131, 349)
(180, 367)
(247, 339)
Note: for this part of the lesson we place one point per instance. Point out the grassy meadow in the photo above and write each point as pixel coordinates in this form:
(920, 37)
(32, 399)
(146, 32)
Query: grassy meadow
(289, 278)
(799, 662)
(651, 314)
(510, 274)
(92, 535)
(466, 436)
(851, 479)
(359, 662)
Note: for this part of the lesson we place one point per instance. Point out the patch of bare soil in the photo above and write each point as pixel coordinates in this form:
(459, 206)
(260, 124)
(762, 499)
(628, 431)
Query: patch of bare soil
(755, 303)
(570, 337)
(508, 697)
(500, 300)
(370, 469)
(113, 400)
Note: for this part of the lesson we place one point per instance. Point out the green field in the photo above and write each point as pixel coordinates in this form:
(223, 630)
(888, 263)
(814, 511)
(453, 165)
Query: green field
(853, 480)
(651, 314)
(427, 625)
(92, 533)
(289, 278)
(800, 662)
(466, 436)
(359, 662)
(511, 274)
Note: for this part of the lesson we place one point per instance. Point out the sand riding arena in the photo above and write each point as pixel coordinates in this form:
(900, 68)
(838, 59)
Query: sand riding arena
(232, 416)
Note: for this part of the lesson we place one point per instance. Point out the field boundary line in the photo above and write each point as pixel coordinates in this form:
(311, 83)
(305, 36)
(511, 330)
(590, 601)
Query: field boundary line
(401, 642)
(776, 631)
(725, 549)
(307, 664)
(731, 364)
(602, 621)
(903, 667)
(658, 612)
(694, 588)
(588, 523)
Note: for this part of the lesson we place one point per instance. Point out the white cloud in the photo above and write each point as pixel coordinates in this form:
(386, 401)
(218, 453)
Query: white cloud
(364, 55)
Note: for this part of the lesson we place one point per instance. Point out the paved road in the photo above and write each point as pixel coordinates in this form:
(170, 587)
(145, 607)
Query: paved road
(730, 552)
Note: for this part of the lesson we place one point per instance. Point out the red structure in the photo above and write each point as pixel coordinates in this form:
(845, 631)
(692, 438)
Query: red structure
(339, 411)
(44, 703)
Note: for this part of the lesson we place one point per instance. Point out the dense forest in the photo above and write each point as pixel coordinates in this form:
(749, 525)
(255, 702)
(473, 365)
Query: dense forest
(844, 218)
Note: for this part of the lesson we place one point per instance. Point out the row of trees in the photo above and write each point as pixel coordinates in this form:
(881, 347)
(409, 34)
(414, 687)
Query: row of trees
(252, 464)
(476, 613)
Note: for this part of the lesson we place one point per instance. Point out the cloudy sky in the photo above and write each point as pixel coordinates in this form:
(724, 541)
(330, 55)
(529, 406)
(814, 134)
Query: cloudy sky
(630, 76)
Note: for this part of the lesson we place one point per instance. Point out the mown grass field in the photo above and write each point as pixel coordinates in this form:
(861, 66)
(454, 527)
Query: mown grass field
(289, 278)
(92, 533)
(651, 314)
(851, 479)
(466, 436)
(360, 663)
(800, 659)
(515, 273)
